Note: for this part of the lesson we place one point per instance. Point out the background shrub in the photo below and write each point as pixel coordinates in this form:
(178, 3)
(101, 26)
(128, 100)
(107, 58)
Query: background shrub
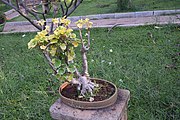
(124, 5)
(2, 17)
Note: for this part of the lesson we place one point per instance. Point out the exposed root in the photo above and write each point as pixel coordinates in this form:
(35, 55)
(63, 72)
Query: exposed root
(84, 85)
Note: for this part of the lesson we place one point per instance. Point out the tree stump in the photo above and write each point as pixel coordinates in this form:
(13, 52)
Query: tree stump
(118, 111)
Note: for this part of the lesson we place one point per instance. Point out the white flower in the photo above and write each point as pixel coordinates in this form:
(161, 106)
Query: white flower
(92, 60)
(120, 80)
(103, 46)
(102, 61)
(109, 63)
(86, 34)
(23, 35)
(92, 39)
(2, 48)
(110, 50)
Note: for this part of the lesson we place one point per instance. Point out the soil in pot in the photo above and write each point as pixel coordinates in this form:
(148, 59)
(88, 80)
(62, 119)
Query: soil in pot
(103, 92)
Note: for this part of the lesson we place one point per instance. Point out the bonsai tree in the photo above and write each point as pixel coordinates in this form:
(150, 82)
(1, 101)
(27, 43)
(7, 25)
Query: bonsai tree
(57, 41)
(58, 48)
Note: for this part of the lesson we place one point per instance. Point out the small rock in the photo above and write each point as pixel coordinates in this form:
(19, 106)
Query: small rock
(91, 99)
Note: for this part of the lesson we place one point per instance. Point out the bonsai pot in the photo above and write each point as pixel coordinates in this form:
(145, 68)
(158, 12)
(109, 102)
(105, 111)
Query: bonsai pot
(81, 104)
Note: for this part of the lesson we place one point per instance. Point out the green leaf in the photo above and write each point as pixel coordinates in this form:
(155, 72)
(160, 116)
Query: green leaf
(63, 46)
(61, 71)
(75, 43)
(32, 44)
(71, 54)
(54, 41)
(53, 60)
(57, 63)
(71, 69)
(50, 71)
(70, 57)
(53, 51)
(70, 77)
(63, 78)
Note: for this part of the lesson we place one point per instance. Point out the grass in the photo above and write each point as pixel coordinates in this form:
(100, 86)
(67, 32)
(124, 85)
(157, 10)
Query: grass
(136, 63)
(1, 27)
(3, 7)
(89, 7)
(142, 5)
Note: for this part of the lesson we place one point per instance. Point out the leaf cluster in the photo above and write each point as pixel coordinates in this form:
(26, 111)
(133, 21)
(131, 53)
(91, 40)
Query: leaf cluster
(59, 46)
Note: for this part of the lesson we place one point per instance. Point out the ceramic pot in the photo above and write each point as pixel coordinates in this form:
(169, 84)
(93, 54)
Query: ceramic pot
(89, 105)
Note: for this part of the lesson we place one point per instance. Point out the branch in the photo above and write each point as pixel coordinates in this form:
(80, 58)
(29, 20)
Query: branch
(44, 18)
(70, 3)
(45, 5)
(8, 3)
(84, 57)
(76, 4)
(49, 61)
(62, 9)
(68, 6)
(65, 3)
(35, 11)
(55, 11)
(29, 19)
(25, 6)
(81, 38)
(43, 15)
(89, 40)
(26, 17)
(17, 4)
(77, 72)
(31, 12)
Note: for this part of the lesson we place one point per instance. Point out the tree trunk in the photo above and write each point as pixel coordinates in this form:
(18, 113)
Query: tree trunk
(45, 6)
(85, 64)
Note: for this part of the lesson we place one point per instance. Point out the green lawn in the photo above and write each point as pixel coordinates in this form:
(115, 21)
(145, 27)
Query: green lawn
(1, 27)
(136, 63)
(3, 7)
(141, 5)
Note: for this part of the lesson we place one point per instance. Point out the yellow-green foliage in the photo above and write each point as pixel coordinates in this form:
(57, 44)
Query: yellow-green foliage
(60, 45)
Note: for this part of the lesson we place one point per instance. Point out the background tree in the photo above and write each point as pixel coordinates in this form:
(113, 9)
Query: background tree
(124, 4)
(59, 7)
(57, 41)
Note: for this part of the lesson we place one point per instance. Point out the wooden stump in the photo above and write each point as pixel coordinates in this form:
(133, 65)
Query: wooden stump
(118, 111)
